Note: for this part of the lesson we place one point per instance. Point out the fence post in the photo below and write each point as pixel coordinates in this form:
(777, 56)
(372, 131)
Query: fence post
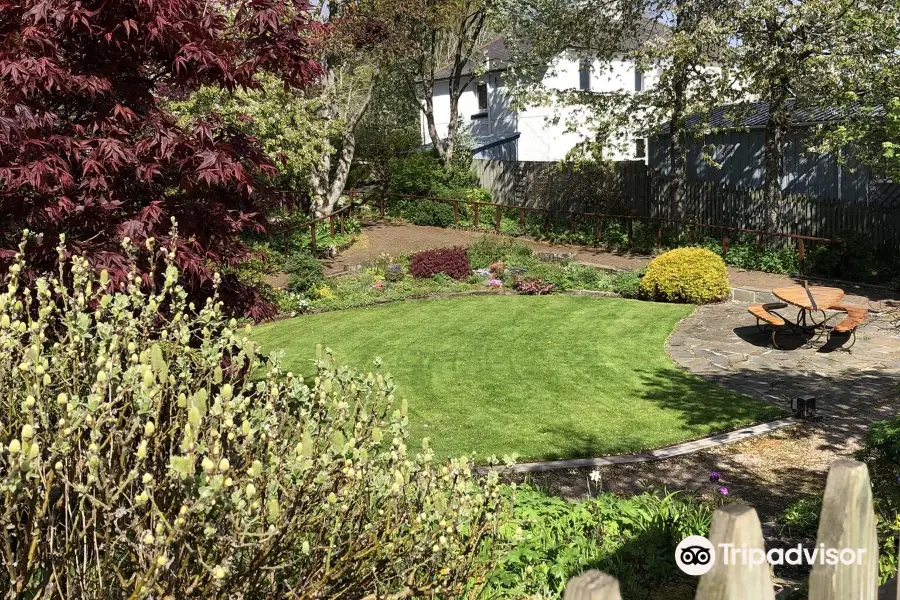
(847, 522)
(342, 222)
(630, 233)
(312, 236)
(497, 220)
(546, 221)
(801, 251)
(456, 212)
(571, 222)
(597, 228)
(592, 585)
(659, 233)
(331, 226)
(736, 526)
(692, 235)
(521, 220)
(724, 241)
(475, 220)
(381, 207)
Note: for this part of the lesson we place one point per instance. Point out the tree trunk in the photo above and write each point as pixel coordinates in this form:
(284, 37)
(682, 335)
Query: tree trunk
(678, 147)
(452, 127)
(327, 188)
(776, 127)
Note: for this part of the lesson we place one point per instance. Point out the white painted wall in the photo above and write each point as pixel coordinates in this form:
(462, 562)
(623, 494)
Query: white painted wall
(546, 131)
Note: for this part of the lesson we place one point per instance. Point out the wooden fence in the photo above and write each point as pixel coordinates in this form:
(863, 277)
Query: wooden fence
(847, 522)
(634, 188)
(707, 202)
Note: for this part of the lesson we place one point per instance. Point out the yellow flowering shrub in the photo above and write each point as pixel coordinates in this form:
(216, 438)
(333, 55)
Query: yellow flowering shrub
(692, 275)
(147, 450)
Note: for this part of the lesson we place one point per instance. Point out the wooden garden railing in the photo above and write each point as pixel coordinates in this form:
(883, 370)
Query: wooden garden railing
(598, 218)
(337, 218)
(847, 522)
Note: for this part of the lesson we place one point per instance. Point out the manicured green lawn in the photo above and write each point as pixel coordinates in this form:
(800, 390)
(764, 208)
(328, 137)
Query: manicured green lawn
(538, 376)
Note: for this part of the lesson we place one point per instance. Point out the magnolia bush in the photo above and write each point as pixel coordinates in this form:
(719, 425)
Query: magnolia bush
(148, 450)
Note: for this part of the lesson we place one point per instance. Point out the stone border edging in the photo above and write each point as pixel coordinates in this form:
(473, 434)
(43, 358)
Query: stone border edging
(661, 454)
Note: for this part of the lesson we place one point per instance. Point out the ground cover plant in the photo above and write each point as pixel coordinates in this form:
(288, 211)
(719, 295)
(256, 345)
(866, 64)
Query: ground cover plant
(633, 539)
(539, 376)
(148, 452)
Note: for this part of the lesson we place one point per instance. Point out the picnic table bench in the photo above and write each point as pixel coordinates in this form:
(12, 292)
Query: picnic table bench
(812, 302)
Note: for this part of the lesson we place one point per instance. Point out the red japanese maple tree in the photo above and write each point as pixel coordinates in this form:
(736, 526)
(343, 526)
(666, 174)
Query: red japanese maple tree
(87, 149)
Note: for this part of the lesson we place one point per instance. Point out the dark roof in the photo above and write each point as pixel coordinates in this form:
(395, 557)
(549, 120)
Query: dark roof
(497, 57)
(752, 115)
(494, 53)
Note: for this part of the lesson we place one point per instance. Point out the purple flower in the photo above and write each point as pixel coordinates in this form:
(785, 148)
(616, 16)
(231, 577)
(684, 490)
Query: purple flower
(714, 476)
(723, 490)
(494, 283)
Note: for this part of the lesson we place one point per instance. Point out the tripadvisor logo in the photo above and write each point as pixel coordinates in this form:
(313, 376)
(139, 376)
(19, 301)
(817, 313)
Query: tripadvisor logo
(696, 555)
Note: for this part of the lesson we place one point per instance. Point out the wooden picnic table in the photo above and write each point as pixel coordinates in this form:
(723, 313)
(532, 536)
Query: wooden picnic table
(822, 299)
(825, 297)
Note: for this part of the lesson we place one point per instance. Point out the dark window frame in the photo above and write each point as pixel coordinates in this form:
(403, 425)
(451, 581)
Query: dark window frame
(584, 75)
(481, 92)
(640, 148)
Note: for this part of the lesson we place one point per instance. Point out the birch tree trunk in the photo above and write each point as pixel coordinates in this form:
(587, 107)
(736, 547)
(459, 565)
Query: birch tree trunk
(328, 179)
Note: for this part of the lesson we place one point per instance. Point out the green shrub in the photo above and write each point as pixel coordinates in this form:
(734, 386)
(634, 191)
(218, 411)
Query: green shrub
(159, 457)
(801, 519)
(693, 275)
(305, 271)
(634, 539)
(426, 212)
(628, 284)
(490, 249)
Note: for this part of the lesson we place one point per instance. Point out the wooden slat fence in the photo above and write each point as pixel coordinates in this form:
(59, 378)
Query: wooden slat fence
(847, 522)
(634, 188)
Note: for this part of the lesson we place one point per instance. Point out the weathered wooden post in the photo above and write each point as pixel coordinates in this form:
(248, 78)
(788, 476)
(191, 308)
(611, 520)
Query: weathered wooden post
(597, 228)
(475, 220)
(497, 219)
(342, 222)
(847, 524)
(801, 252)
(630, 233)
(724, 241)
(736, 527)
(312, 236)
(659, 233)
(381, 207)
(456, 212)
(331, 226)
(521, 220)
(592, 585)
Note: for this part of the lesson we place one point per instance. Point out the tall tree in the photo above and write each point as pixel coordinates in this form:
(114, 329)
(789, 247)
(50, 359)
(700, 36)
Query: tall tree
(681, 44)
(87, 151)
(443, 35)
(802, 55)
(359, 48)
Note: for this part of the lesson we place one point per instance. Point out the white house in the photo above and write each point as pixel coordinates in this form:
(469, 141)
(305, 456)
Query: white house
(537, 132)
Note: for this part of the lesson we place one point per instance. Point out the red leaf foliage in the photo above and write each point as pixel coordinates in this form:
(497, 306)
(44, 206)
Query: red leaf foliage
(453, 262)
(86, 148)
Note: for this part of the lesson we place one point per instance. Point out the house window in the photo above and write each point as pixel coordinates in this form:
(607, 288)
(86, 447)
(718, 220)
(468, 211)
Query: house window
(584, 75)
(482, 91)
(638, 80)
(640, 148)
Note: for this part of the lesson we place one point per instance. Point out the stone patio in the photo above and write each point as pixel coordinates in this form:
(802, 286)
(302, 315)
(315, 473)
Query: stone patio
(722, 344)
